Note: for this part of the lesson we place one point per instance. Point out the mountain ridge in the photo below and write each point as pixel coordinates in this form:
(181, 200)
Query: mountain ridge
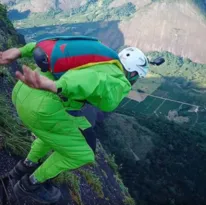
(174, 26)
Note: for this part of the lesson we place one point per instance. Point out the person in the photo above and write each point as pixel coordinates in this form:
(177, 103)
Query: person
(71, 72)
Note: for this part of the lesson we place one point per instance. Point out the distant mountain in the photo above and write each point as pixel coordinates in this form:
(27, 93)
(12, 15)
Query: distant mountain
(44, 5)
(161, 162)
(175, 26)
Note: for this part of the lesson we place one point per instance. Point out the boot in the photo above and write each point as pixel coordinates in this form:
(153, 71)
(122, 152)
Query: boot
(20, 170)
(40, 192)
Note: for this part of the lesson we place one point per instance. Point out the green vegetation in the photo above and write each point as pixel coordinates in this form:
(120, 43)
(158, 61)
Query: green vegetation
(93, 181)
(14, 136)
(3, 17)
(176, 67)
(124, 10)
(179, 80)
(111, 161)
(11, 41)
(10, 37)
(169, 170)
(28, 62)
(92, 11)
(104, 173)
(73, 183)
(122, 186)
(129, 201)
(3, 11)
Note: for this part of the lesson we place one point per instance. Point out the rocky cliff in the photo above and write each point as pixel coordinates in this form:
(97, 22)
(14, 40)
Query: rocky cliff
(92, 185)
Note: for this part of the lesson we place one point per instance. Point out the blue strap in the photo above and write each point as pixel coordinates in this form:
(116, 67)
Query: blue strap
(69, 38)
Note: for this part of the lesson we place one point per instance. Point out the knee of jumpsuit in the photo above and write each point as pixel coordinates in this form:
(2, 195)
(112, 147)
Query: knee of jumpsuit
(38, 150)
(44, 114)
(57, 164)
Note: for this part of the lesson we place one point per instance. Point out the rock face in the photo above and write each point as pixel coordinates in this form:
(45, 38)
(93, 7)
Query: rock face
(87, 186)
(174, 26)
(91, 185)
(8, 36)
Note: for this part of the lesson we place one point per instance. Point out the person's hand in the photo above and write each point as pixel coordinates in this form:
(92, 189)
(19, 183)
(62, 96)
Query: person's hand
(35, 80)
(3, 61)
(9, 56)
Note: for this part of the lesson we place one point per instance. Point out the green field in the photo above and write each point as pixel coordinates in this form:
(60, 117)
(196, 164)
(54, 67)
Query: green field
(180, 84)
(167, 106)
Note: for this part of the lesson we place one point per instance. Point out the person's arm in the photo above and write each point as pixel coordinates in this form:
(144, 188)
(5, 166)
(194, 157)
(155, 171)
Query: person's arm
(12, 54)
(72, 84)
(79, 85)
(9, 56)
(27, 50)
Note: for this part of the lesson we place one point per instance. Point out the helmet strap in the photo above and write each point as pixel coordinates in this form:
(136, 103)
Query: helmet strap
(130, 78)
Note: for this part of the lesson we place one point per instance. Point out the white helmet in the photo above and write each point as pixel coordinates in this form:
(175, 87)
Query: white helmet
(134, 61)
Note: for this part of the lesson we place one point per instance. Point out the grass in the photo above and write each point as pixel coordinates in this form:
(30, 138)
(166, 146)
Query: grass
(111, 161)
(14, 136)
(93, 181)
(28, 62)
(3, 16)
(167, 106)
(121, 184)
(105, 174)
(129, 201)
(73, 183)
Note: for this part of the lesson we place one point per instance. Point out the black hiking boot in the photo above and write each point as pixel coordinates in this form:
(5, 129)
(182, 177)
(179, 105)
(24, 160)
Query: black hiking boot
(20, 170)
(42, 193)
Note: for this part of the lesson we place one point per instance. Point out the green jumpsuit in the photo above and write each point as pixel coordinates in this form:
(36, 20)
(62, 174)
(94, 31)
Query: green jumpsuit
(45, 114)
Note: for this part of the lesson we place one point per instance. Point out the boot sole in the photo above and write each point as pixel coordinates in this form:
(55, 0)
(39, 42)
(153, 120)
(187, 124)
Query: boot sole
(23, 194)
